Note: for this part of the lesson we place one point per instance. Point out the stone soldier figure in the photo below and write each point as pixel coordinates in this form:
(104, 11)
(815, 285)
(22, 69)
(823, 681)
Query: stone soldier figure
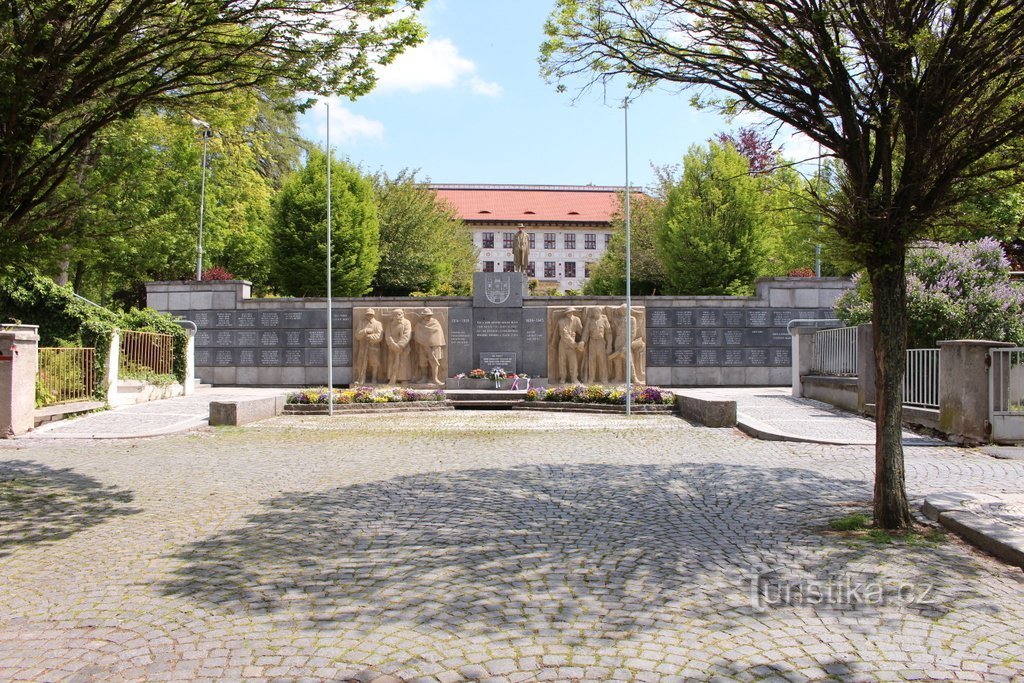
(430, 343)
(520, 251)
(597, 336)
(367, 352)
(568, 329)
(397, 336)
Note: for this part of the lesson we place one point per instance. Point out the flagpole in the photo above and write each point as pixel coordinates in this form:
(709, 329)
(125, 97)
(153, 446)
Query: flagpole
(629, 297)
(330, 334)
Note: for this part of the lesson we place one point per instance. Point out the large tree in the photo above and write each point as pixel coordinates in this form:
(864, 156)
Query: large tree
(913, 97)
(424, 246)
(299, 231)
(70, 68)
(709, 234)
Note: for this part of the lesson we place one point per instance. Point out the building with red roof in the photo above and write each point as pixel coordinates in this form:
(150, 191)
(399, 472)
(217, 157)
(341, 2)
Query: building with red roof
(569, 226)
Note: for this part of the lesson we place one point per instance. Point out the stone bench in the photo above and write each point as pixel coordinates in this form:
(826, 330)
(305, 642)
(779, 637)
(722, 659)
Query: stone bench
(243, 411)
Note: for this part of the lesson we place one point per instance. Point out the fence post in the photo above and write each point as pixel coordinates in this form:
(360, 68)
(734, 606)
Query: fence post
(803, 355)
(866, 390)
(113, 367)
(19, 357)
(963, 383)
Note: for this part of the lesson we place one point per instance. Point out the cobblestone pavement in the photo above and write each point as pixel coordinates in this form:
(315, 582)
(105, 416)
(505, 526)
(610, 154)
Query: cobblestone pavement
(485, 546)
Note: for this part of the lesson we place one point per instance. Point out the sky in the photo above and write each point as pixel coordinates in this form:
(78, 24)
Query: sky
(469, 106)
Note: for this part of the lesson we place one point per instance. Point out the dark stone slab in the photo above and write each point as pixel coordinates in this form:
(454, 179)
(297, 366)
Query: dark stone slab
(497, 290)
(684, 357)
(782, 357)
(683, 337)
(758, 317)
(204, 339)
(269, 357)
(710, 338)
(659, 336)
(245, 319)
(340, 317)
(534, 352)
(660, 358)
(757, 357)
(223, 319)
(202, 319)
(733, 357)
(709, 357)
(659, 317)
(203, 357)
(708, 317)
(224, 358)
(460, 340)
(684, 318)
(247, 358)
(733, 337)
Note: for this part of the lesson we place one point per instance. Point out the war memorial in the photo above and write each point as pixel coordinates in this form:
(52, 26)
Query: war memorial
(676, 340)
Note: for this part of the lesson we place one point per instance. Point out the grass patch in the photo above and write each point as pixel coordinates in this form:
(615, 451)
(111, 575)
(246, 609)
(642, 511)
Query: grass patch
(856, 526)
(855, 521)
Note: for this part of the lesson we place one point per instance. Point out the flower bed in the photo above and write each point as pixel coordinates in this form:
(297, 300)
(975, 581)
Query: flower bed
(320, 396)
(598, 394)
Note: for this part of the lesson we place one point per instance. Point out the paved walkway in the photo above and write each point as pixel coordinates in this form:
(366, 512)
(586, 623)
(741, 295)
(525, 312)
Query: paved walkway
(774, 413)
(505, 547)
(157, 418)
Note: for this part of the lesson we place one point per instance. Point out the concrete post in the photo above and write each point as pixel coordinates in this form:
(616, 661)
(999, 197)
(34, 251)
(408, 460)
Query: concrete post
(113, 367)
(190, 364)
(866, 390)
(803, 354)
(963, 388)
(19, 358)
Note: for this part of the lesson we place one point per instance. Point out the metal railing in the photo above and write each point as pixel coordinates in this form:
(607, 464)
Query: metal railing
(921, 379)
(835, 352)
(1006, 391)
(65, 375)
(146, 351)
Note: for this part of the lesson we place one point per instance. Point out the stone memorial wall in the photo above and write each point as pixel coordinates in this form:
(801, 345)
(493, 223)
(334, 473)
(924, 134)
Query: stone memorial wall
(686, 341)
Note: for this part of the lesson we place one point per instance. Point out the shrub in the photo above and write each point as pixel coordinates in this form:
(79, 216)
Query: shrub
(954, 291)
(321, 395)
(595, 393)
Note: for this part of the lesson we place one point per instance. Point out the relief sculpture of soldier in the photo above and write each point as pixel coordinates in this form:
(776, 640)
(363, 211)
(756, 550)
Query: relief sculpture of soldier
(429, 337)
(597, 337)
(621, 346)
(368, 337)
(569, 346)
(398, 336)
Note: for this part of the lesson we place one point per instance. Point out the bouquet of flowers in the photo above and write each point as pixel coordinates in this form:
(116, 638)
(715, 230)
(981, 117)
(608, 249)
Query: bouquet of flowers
(477, 374)
(497, 374)
(520, 377)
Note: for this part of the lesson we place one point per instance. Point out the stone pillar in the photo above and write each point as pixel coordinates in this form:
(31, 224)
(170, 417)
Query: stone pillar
(803, 352)
(113, 375)
(190, 364)
(963, 388)
(19, 357)
(866, 389)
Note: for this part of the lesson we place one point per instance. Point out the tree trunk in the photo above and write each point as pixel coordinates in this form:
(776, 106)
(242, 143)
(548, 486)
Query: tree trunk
(888, 316)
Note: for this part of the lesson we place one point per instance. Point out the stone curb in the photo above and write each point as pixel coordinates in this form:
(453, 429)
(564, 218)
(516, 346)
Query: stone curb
(993, 537)
(765, 432)
(187, 425)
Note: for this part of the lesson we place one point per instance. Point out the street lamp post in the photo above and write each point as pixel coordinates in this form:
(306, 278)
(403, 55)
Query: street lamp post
(207, 133)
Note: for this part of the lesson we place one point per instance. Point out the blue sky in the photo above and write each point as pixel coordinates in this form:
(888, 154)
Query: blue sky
(468, 106)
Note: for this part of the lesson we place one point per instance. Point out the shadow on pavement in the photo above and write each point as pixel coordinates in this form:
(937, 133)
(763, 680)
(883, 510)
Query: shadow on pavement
(39, 504)
(601, 550)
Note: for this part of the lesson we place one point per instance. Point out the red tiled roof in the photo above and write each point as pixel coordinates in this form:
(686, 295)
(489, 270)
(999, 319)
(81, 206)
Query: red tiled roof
(531, 203)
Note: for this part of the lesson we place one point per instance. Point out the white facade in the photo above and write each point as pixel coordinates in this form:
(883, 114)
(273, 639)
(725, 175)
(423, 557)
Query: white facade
(560, 257)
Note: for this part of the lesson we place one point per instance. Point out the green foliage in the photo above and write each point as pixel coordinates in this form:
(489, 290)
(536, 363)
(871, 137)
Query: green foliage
(65, 320)
(69, 70)
(299, 234)
(424, 247)
(852, 522)
(647, 274)
(960, 291)
(708, 234)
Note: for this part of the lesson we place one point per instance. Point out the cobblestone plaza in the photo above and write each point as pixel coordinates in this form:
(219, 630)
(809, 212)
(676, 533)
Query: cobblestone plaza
(486, 546)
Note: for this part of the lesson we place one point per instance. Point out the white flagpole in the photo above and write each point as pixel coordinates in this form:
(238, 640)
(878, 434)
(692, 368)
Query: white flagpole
(629, 297)
(330, 334)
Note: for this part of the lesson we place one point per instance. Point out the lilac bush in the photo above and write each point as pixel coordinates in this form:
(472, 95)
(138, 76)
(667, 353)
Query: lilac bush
(954, 291)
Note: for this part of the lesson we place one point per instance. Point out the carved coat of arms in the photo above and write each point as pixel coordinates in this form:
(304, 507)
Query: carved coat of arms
(498, 288)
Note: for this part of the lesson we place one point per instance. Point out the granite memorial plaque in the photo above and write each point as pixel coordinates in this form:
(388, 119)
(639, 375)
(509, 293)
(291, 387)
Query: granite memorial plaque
(732, 337)
(223, 338)
(498, 359)
(246, 357)
(661, 358)
(203, 357)
(497, 290)
(683, 338)
(534, 354)
(733, 317)
(223, 357)
(460, 340)
(733, 357)
(659, 317)
(224, 319)
(684, 357)
(709, 357)
(203, 338)
(758, 318)
(782, 356)
(202, 319)
(246, 338)
(708, 317)
(684, 318)
(710, 337)
(246, 319)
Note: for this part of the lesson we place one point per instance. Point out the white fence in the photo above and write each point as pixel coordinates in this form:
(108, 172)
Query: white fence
(921, 379)
(835, 352)
(1006, 394)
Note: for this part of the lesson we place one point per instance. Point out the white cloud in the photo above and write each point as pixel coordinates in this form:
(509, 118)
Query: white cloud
(346, 125)
(433, 64)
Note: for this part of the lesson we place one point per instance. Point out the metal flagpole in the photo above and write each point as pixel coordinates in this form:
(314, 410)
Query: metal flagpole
(330, 335)
(629, 297)
(207, 133)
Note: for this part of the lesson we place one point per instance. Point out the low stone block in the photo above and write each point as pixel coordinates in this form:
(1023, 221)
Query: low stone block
(710, 412)
(244, 411)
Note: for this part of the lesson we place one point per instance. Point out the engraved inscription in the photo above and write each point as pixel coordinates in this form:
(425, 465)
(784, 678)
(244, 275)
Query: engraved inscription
(223, 357)
(224, 319)
(657, 317)
(732, 337)
(201, 319)
(710, 338)
(269, 339)
(684, 357)
(684, 318)
(708, 357)
(270, 357)
(294, 357)
(497, 328)
(757, 356)
(269, 319)
(222, 338)
(293, 338)
(247, 357)
(247, 319)
(683, 337)
(708, 318)
(659, 337)
(202, 357)
(247, 338)
(732, 318)
(757, 318)
(203, 338)
(659, 357)
(316, 338)
(733, 357)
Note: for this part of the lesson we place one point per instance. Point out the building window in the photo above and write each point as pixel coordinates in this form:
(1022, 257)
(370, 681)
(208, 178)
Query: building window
(549, 269)
(488, 266)
(570, 269)
(531, 269)
(506, 240)
(549, 240)
(509, 267)
(569, 239)
(487, 240)
(533, 240)
(590, 241)
(607, 239)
